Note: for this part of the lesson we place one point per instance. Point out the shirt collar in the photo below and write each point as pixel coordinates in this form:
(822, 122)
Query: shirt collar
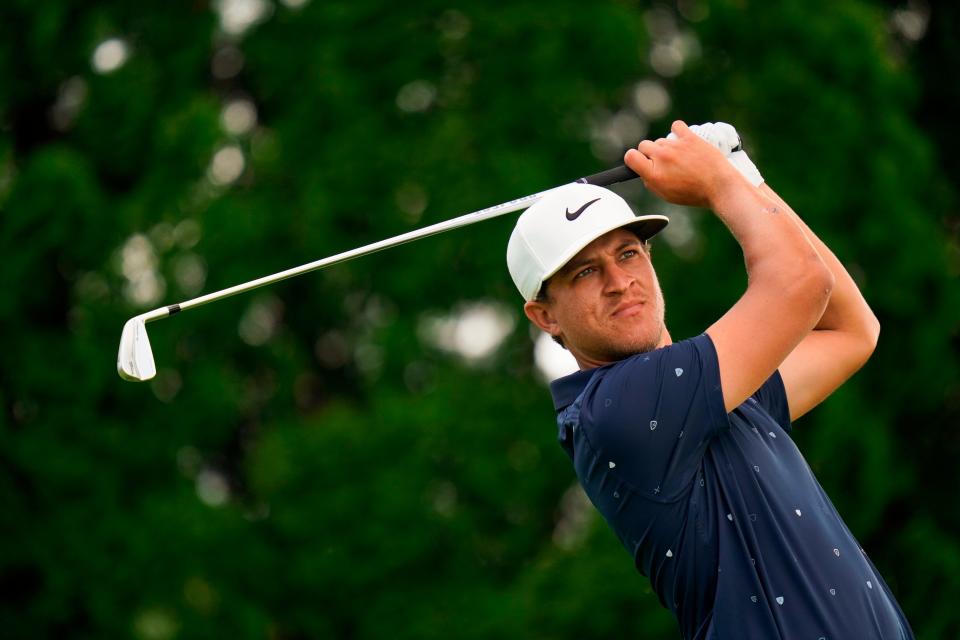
(566, 389)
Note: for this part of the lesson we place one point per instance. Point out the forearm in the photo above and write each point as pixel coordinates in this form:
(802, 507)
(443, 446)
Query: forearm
(774, 245)
(847, 310)
(780, 259)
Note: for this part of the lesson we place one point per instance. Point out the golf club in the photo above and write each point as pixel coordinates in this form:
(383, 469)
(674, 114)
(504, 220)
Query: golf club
(135, 358)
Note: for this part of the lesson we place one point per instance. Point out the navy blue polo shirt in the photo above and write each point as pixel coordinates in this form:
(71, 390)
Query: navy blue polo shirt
(719, 510)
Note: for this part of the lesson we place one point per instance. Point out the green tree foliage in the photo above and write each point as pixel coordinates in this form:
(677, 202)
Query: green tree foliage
(308, 462)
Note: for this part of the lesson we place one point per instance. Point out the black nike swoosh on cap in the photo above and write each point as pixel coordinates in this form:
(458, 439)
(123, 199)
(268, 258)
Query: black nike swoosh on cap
(576, 214)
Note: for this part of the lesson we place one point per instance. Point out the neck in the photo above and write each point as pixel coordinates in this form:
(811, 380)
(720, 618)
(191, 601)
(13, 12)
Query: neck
(585, 361)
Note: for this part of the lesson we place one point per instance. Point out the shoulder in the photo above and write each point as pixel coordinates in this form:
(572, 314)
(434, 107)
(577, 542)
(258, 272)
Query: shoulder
(653, 414)
(647, 382)
(688, 358)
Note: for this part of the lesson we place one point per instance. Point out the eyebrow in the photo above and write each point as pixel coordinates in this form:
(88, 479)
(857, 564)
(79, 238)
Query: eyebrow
(582, 262)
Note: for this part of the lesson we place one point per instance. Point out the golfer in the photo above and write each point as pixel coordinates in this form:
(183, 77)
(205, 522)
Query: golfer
(685, 447)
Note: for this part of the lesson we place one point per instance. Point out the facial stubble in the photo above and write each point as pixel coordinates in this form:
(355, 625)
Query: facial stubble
(643, 344)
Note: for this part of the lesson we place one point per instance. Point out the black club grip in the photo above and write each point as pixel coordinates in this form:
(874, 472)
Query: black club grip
(610, 176)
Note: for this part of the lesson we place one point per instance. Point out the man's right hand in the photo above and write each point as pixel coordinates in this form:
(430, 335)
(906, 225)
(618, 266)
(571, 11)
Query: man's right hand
(684, 169)
(724, 137)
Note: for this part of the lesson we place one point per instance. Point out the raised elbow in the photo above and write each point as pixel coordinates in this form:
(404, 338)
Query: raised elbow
(872, 333)
(866, 340)
(808, 289)
(827, 279)
(818, 283)
(862, 322)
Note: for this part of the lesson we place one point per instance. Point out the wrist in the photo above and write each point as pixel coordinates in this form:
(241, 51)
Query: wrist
(725, 138)
(742, 163)
(727, 183)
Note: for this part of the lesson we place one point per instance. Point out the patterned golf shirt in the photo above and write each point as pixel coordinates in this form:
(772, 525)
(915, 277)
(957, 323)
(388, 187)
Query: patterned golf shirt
(719, 510)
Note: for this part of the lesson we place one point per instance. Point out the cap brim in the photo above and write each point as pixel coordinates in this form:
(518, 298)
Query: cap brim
(644, 226)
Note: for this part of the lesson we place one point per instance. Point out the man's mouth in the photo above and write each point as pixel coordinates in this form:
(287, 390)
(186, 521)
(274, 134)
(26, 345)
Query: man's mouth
(629, 309)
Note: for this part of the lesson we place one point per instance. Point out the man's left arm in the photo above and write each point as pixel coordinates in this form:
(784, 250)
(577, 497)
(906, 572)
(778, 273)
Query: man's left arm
(839, 344)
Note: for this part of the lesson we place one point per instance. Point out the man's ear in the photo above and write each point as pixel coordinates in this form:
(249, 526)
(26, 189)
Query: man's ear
(539, 314)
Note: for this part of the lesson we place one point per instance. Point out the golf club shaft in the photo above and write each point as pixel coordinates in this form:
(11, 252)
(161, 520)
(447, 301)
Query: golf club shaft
(604, 178)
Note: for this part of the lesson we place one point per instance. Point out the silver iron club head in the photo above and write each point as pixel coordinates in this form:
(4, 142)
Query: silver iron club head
(135, 358)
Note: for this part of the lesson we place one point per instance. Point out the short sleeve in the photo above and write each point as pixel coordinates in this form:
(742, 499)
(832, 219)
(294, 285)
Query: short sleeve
(772, 396)
(652, 415)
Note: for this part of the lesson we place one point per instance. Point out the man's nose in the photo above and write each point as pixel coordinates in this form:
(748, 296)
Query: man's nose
(618, 279)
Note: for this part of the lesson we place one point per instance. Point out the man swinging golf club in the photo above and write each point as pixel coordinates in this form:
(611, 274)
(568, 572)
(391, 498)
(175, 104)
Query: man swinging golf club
(684, 446)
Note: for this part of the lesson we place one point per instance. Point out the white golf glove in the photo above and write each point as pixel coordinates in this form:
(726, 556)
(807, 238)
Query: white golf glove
(724, 137)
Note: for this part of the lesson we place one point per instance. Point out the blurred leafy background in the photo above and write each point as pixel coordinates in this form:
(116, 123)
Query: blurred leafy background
(369, 451)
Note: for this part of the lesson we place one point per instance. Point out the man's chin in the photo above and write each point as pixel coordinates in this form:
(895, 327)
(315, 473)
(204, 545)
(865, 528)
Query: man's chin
(623, 350)
(625, 353)
(612, 347)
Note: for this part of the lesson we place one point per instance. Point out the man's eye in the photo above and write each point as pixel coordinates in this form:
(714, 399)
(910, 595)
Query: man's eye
(629, 253)
(586, 271)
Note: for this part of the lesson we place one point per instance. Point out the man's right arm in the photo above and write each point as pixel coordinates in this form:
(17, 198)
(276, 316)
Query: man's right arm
(789, 285)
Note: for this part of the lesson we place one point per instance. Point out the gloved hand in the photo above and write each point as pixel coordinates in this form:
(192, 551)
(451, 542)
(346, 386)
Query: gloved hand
(724, 137)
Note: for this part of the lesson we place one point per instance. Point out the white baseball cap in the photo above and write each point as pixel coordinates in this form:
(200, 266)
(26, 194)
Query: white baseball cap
(563, 222)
